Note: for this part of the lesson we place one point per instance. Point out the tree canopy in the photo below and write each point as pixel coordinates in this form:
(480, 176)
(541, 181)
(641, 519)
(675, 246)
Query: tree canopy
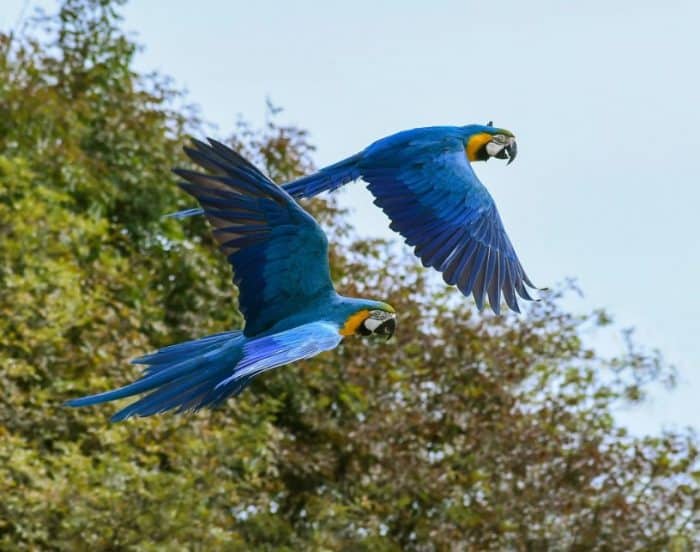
(468, 431)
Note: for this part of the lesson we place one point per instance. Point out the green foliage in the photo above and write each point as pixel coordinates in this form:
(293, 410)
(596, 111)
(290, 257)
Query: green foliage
(468, 431)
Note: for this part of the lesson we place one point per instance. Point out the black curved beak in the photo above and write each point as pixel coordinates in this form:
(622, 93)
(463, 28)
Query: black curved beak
(386, 328)
(510, 152)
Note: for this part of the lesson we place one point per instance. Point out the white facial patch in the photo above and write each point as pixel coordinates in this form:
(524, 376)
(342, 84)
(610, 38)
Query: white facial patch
(493, 149)
(377, 318)
(498, 143)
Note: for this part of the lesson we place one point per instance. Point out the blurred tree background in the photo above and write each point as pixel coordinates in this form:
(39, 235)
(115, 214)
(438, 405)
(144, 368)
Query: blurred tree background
(466, 432)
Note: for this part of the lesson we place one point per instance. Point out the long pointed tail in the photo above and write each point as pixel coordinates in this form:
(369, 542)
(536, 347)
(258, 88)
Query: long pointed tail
(327, 179)
(186, 376)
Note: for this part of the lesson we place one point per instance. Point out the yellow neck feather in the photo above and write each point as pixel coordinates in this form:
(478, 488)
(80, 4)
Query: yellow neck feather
(477, 142)
(353, 322)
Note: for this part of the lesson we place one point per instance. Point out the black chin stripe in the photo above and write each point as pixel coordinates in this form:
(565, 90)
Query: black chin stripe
(482, 154)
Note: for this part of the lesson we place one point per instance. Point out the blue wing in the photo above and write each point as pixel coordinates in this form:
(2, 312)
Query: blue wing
(440, 207)
(423, 181)
(278, 252)
(275, 350)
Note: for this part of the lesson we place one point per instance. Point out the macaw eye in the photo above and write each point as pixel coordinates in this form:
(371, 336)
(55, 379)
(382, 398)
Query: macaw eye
(375, 319)
(380, 323)
(500, 139)
(379, 315)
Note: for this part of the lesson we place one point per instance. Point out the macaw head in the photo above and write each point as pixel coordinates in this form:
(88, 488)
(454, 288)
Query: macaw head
(483, 142)
(375, 319)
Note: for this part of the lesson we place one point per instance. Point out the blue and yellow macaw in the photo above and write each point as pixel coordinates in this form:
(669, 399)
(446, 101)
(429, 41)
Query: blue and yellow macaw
(279, 256)
(423, 180)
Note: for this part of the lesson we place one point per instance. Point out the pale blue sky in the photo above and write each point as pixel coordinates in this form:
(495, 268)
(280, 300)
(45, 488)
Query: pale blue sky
(603, 97)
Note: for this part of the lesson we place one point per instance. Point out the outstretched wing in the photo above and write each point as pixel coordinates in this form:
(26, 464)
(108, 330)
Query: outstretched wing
(436, 202)
(278, 252)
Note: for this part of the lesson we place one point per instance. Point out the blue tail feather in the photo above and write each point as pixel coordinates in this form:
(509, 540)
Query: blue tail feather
(185, 350)
(327, 179)
(184, 376)
(186, 213)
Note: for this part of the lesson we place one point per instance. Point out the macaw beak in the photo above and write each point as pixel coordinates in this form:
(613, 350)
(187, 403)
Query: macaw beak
(509, 151)
(512, 151)
(387, 328)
